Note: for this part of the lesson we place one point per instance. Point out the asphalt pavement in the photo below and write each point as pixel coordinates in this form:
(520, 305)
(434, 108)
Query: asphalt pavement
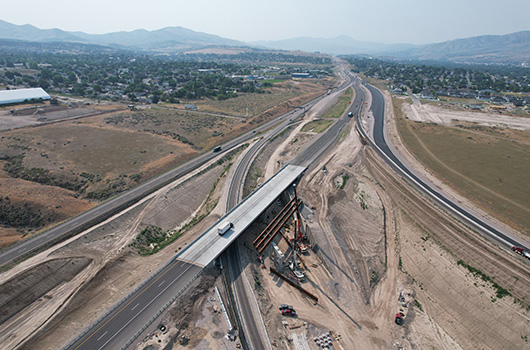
(378, 107)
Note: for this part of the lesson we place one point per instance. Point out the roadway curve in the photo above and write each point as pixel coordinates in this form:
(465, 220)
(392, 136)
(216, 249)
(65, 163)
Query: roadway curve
(123, 323)
(381, 146)
(231, 257)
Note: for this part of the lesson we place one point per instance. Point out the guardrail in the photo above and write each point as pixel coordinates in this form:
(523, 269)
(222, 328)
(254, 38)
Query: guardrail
(149, 279)
(435, 196)
(152, 319)
(166, 265)
(235, 313)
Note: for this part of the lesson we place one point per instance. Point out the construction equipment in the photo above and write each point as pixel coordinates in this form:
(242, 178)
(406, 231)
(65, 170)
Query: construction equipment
(184, 339)
(399, 318)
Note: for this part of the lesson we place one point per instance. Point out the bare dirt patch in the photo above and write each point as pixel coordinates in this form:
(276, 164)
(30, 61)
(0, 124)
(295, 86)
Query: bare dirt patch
(430, 243)
(19, 117)
(197, 316)
(433, 113)
(24, 289)
(116, 268)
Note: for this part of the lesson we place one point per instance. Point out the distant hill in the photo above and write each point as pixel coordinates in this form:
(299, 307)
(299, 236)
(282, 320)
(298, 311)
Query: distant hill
(11, 45)
(340, 45)
(489, 49)
(166, 39)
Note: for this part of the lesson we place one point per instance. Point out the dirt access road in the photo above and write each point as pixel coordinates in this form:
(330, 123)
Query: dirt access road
(368, 256)
(376, 238)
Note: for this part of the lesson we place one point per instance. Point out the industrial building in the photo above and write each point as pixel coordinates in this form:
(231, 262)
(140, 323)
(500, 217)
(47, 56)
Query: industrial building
(18, 96)
(301, 75)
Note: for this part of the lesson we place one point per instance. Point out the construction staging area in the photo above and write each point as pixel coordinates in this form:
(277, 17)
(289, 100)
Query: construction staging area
(343, 254)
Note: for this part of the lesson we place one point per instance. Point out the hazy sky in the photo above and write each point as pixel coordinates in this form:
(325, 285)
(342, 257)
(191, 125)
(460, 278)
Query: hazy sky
(387, 21)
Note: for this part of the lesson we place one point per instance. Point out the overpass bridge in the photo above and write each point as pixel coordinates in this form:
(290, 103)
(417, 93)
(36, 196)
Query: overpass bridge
(211, 244)
(128, 319)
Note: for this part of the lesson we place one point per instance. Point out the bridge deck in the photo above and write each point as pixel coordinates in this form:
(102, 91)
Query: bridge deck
(211, 244)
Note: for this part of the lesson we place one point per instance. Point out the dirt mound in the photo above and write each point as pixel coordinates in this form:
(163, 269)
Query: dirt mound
(32, 284)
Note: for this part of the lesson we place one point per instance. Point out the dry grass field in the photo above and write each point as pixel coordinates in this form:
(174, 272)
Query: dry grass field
(256, 103)
(339, 108)
(53, 172)
(489, 164)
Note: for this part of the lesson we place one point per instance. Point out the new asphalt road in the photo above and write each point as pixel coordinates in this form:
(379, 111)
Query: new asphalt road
(124, 322)
(378, 107)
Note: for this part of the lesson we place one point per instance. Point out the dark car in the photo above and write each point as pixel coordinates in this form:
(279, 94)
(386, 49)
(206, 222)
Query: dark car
(285, 306)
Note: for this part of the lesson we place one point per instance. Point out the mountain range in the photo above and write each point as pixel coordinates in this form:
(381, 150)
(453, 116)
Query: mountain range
(166, 39)
(488, 49)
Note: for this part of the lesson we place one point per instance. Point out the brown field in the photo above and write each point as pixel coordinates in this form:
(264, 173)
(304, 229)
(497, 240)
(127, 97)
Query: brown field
(257, 103)
(488, 164)
(100, 156)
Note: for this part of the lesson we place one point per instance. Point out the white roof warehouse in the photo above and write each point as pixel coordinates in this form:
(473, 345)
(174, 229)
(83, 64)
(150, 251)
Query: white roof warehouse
(21, 95)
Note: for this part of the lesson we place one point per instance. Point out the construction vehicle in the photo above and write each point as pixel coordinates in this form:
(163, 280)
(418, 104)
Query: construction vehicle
(288, 312)
(399, 318)
(298, 274)
(285, 306)
(184, 339)
(522, 251)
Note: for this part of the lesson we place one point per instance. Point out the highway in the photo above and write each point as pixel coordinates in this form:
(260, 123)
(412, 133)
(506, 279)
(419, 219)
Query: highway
(251, 337)
(315, 149)
(231, 257)
(121, 325)
(114, 205)
(381, 146)
(129, 314)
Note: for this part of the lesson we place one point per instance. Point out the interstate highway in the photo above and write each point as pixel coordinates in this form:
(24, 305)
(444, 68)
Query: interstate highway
(122, 323)
(108, 334)
(120, 202)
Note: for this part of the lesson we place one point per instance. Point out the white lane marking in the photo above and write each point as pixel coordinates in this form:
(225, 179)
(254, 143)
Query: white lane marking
(145, 307)
(135, 306)
(162, 283)
(102, 335)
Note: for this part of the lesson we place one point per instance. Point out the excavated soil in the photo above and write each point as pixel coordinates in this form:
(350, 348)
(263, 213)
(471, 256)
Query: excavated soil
(27, 287)
(116, 268)
(466, 307)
